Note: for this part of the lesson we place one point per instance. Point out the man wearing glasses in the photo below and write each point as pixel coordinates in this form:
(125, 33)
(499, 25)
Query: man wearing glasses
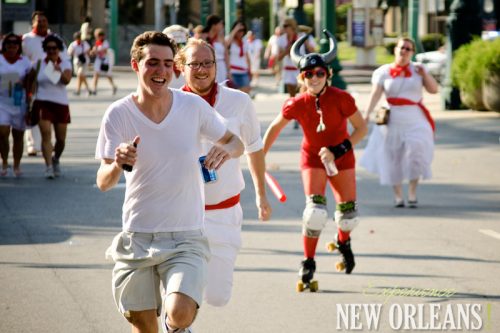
(223, 213)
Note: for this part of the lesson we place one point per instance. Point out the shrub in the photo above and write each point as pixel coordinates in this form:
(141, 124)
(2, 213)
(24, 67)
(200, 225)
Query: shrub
(389, 47)
(472, 62)
(432, 42)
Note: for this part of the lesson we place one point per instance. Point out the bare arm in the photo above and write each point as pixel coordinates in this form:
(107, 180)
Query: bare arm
(257, 166)
(429, 82)
(66, 77)
(360, 128)
(273, 131)
(377, 91)
(110, 171)
(229, 146)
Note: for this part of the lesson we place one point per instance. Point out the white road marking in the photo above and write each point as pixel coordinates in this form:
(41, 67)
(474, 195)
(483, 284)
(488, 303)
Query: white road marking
(490, 233)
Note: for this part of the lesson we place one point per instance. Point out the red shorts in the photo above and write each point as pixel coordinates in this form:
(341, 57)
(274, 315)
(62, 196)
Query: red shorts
(54, 112)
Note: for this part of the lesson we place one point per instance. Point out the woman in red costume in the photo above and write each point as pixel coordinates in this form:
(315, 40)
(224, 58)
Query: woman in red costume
(326, 154)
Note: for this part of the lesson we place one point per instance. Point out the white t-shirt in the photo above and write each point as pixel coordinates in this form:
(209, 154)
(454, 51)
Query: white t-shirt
(164, 192)
(255, 48)
(74, 50)
(10, 74)
(238, 63)
(33, 49)
(239, 112)
(48, 91)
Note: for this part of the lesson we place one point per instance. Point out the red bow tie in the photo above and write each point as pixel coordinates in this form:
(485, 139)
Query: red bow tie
(397, 70)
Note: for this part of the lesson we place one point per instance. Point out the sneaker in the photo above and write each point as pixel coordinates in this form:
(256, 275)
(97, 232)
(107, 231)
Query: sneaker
(76, 93)
(165, 329)
(56, 167)
(413, 203)
(399, 203)
(49, 173)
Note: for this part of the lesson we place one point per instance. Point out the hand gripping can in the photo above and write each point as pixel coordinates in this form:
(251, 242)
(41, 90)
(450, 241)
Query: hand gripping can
(209, 176)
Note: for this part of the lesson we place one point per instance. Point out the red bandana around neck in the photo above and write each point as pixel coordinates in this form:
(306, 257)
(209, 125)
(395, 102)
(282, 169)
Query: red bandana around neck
(12, 60)
(36, 32)
(58, 61)
(212, 40)
(98, 42)
(240, 44)
(210, 97)
(397, 70)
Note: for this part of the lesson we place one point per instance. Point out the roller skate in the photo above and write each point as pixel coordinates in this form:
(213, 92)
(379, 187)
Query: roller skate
(306, 272)
(347, 262)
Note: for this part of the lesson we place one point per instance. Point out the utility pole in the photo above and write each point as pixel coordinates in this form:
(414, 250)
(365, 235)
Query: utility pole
(230, 14)
(113, 26)
(413, 7)
(328, 21)
(205, 11)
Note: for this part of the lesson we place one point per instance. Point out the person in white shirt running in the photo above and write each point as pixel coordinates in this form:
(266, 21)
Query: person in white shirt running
(223, 213)
(157, 134)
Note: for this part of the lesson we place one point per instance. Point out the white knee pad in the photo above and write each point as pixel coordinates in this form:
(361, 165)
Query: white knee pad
(315, 215)
(346, 216)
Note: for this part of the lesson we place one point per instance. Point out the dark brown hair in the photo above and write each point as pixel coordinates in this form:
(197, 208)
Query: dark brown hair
(150, 38)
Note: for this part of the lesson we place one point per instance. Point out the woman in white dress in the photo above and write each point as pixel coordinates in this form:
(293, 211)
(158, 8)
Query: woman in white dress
(214, 31)
(403, 149)
(103, 63)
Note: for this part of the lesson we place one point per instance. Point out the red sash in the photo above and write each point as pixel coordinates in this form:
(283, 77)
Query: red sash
(404, 101)
(238, 68)
(228, 203)
(290, 68)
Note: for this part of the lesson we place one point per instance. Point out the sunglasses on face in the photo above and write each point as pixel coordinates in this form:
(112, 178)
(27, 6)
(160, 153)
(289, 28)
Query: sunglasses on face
(196, 65)
(11, 42)
(320, 73)
(406, 48)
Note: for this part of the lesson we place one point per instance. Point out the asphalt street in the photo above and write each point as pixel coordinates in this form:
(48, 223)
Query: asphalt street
(433, 260)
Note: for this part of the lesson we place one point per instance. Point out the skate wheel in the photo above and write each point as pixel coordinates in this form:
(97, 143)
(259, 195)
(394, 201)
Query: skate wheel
(331, 246)
(300, 286)
(340, 266)
(313, 286)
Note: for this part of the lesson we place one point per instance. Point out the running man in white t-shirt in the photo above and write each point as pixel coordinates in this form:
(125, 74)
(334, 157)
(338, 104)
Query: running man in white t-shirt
(223, 213)
(161, 254)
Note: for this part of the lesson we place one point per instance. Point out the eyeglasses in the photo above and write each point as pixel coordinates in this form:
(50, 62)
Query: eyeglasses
(286, 25)
(406, 48)
(320, 73)
(196, 65)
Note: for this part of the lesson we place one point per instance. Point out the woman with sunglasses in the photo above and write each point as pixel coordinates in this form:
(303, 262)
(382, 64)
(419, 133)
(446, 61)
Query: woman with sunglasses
(51, 101)
(402, 149)
(15, 72)
(323, 113)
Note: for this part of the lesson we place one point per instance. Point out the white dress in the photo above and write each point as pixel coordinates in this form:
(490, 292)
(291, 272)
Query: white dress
(404, 148)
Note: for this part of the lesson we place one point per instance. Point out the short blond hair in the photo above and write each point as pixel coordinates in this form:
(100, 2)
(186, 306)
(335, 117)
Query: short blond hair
(180, 57)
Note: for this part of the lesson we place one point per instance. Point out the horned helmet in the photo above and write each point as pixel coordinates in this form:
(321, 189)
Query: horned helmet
(312, 60)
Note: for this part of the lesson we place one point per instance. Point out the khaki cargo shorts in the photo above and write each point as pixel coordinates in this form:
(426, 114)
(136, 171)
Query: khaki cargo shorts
(150, 266)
